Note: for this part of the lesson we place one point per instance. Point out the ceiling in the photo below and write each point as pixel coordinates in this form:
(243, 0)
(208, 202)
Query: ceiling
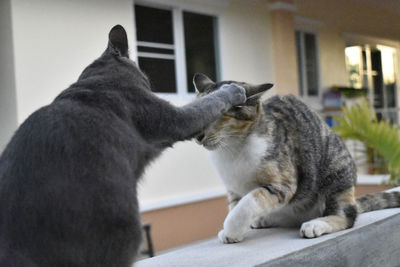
(380, 18)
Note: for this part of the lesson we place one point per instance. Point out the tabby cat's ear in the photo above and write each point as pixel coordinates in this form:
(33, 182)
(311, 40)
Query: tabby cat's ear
(255, 92)
(201, 82)
(118, 41)
(258, 89)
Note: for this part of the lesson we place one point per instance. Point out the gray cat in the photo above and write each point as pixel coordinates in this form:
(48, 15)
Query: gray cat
(283, 166)
(68, 176)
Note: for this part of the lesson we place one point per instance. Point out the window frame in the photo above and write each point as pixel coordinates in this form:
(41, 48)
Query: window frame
(352, 39)
(182, 94)
(305, 94)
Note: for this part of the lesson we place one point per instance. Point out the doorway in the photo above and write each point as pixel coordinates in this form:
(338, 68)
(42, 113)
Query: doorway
(374, 67)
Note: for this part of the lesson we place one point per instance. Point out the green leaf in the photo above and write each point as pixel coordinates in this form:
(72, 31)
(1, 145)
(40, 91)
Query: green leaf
(360, 123)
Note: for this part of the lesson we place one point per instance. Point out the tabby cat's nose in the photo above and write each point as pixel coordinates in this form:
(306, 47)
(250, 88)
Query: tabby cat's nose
(200, 138)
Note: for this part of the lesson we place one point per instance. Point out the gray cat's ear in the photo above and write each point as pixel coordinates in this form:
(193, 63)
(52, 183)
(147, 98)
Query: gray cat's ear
(118, 41)
(254, 93)
(201, 82)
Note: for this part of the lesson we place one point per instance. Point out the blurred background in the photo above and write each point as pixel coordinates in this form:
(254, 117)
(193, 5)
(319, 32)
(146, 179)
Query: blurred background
(331, 53)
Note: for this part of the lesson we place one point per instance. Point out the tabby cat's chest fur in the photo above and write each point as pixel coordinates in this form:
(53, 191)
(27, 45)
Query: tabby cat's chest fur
(238, 165)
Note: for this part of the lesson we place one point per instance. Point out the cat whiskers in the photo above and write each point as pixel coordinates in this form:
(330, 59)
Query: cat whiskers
(225, 146)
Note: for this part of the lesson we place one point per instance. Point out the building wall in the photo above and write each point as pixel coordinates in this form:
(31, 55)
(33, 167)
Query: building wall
(185, 172)
(55, 40)
(176, 226)
(284, 49)
(339, 21)
(333, 64)
(246, 43)
(8, 109)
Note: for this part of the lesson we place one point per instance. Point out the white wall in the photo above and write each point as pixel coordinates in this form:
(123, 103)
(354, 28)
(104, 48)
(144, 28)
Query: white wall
(246, 44)
(55, 40)
(185, 172)
(333, 64)
(8, 109)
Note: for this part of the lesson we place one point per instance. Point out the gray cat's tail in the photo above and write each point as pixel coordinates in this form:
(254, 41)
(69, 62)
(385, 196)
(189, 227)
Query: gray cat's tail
(378, 201)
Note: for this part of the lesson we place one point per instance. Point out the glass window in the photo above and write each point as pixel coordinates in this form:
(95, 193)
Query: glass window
(199, 46)
(354, 65)
(155, 46)
(299, 62)
(161, 73)
(311, 64)
(159, 47)
(306, 47)
(154, 25)
(388, 55)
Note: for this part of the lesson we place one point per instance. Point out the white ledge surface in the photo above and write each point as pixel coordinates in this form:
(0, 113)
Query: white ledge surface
(373, 241)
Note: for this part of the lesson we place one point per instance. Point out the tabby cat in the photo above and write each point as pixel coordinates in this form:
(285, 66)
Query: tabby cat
(283, 166)
(68, 176)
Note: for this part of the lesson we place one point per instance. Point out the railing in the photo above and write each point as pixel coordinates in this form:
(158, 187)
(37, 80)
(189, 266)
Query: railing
(373, 241)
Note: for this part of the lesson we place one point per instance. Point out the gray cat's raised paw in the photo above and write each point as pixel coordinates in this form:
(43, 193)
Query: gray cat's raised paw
(237, 94)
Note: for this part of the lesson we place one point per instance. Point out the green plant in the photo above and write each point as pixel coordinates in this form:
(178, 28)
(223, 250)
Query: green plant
(360, 122)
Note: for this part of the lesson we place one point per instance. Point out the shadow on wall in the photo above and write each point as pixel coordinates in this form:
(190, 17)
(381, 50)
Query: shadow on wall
(8, 105)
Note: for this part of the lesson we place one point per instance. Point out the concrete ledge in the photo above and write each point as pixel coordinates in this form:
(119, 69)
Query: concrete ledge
(373, 241)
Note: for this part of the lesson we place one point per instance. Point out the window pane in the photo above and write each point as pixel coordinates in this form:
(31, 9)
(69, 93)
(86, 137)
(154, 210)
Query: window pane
(354, 58)
(155, 50)
(376, 62)
(153, 25)
(299, 62)
(391, 95)
(161, 73)
(388, 55)
(200, 46)
(311, 64)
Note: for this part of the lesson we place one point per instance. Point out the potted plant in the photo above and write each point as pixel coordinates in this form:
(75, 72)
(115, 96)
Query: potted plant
(380, 138)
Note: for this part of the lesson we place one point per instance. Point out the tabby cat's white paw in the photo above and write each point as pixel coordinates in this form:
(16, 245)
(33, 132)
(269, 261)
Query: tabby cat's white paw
(314, 228)
(260, 223)
(228, 239)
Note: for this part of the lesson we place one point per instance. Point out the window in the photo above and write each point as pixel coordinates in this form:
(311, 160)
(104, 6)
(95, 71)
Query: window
(155, 46)
(173, 45)
(354, 64)
(307, 57)
(373, 67)
(199, 46)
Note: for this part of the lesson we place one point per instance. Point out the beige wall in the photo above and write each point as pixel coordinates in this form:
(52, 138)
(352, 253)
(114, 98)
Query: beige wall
(336, 20)
(55, 40)
(185, 171)
(187, 223)
(284, 49)
(332, 59)
(8, 108)
(246, 42)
